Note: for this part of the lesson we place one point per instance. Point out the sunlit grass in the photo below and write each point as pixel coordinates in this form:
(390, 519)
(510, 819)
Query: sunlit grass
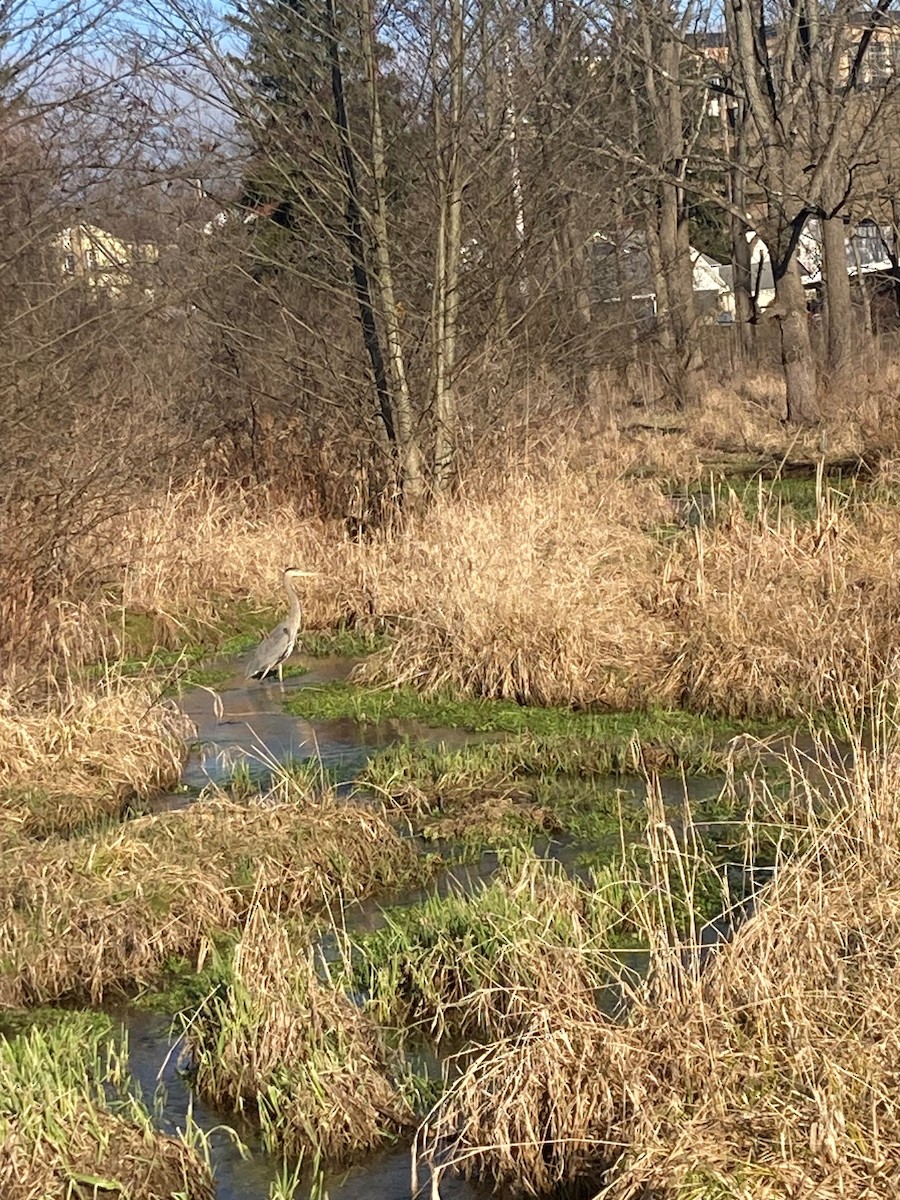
(670, 730)
(754, 1066)
(278, 1043)
(71, 1121)
(93, 915)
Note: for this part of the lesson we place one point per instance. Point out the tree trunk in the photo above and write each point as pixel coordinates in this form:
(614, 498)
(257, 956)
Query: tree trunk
(412, 480)
(674, 236)
(445, 306)
(354, 235)
(865, 298)
(838, 301)
(895, 250)
(742, 284)
(796, 350)
(675, 258)
(660, 284)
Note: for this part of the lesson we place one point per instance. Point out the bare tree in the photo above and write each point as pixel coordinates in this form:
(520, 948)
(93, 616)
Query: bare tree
(799, 78)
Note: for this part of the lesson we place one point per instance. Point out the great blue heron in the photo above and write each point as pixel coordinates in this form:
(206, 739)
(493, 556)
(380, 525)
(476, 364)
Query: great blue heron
(274, 649)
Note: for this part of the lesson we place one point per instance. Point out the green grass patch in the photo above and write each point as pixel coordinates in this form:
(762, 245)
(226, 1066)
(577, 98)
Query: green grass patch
(495, 794)
(277, 1041)
(236, 626)
(18, 1022)
(185, 983)
(480, 964)
(72, 1123)
(669, 728)
(343, 643)
(789, 496)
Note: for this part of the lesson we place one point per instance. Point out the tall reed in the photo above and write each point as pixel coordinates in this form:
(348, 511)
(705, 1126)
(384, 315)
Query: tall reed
(761, 1067)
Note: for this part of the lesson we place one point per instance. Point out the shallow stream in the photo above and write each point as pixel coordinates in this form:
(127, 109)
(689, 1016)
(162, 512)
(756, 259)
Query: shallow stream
(240, 723)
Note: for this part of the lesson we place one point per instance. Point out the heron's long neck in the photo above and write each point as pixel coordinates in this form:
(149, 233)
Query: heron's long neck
(294, 607)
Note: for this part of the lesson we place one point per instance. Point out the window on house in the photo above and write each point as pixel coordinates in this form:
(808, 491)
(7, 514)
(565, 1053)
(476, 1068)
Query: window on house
(879, 61)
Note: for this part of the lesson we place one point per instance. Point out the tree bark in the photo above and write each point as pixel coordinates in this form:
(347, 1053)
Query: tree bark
(742, 284)
(838, 300)
(675, 256)
(412, 480)
(445, 307)
(664, 91)
(796, 351)
(354, 234)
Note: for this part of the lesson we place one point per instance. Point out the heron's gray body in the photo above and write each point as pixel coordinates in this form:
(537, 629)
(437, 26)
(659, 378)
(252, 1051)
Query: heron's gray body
(276, 648)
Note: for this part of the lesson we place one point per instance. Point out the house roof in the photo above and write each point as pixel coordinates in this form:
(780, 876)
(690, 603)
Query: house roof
(621, 265)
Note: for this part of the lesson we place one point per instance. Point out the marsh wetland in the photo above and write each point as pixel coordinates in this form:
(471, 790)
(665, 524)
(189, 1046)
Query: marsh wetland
(556, 892)
(351, 892)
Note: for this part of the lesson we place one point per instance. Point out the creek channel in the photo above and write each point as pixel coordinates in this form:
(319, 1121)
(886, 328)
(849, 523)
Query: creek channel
(241, 723)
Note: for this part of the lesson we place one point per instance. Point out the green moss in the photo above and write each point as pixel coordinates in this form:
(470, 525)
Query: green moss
(15, 1022)
(345, 643)
(795, 496)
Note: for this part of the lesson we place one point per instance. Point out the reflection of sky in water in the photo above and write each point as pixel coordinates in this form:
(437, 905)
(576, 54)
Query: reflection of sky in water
(246, 723)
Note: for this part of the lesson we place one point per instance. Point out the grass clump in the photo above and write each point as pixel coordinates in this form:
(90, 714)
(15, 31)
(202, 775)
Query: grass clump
(279, 1044)
(86, 916)
(501, 792)
(480, 964)
(604, 742)
(82, 753)
(515, 789)
(71, 1126)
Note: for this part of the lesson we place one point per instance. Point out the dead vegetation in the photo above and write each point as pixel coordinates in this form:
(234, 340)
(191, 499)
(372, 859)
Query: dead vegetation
(566, 585)
(572, 580)
(87, 916)
(84, 751)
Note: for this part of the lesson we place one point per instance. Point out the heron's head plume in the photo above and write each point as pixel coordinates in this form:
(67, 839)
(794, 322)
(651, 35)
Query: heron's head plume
(298, 572)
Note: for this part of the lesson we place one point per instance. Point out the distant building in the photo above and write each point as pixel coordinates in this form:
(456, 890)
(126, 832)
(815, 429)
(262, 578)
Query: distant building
(622, 272)
(880, 64)
(102, 260)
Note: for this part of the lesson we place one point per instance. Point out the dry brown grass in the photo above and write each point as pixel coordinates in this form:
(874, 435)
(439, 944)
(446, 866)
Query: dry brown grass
(537, 594)
(102, 1148)
(84, 751)
(552, 587)
(778, 617)
(86, 916)
(295, 1052)
(770, 1073)
(188, 550)
(548, 583)
(554, 595)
